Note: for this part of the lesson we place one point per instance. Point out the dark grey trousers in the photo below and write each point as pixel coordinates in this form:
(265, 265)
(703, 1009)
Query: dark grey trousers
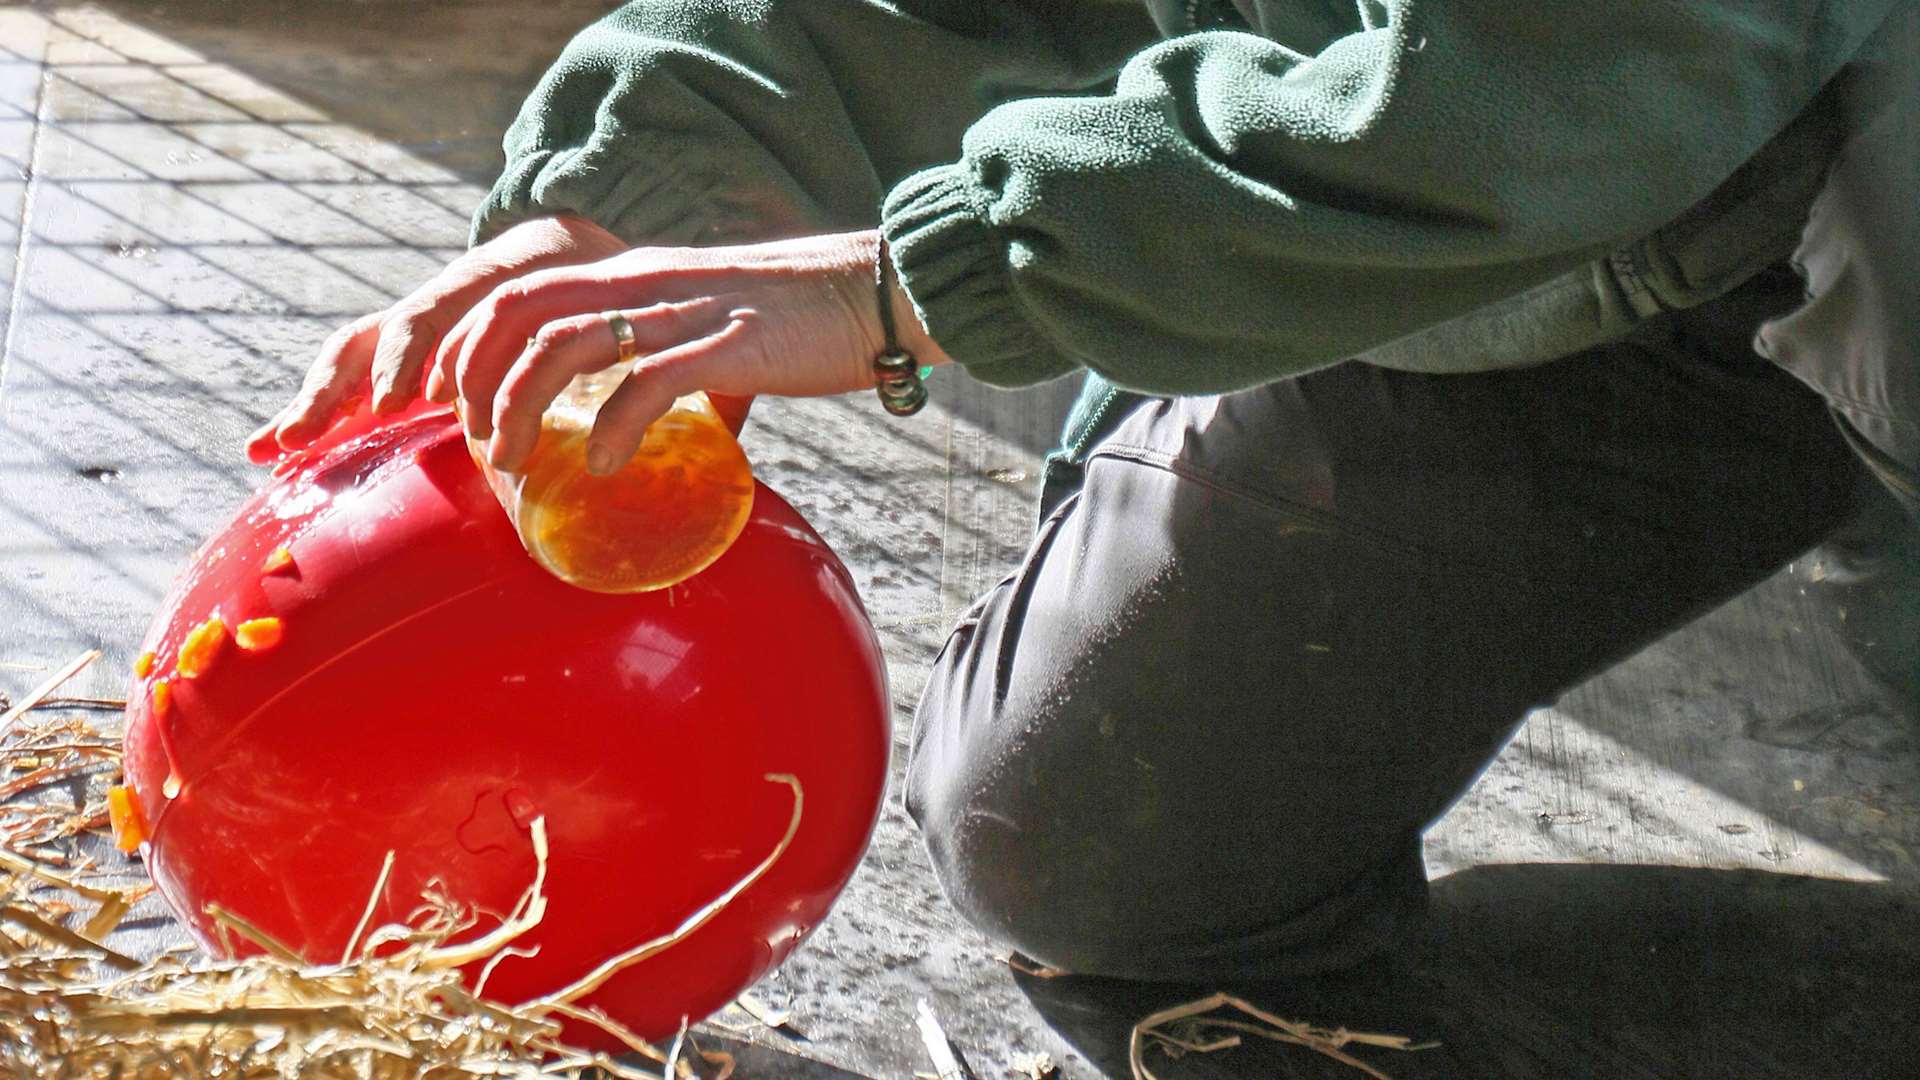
(1267, 637)
(1262, 640)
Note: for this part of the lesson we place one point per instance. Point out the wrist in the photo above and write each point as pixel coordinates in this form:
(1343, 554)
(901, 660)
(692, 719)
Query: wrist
(897, 369)
(910, 330)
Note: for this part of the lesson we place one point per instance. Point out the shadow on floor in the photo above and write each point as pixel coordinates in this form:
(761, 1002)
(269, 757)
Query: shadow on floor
(1029, 418)
(1586, 971)
(440, 81)
(752, 1062)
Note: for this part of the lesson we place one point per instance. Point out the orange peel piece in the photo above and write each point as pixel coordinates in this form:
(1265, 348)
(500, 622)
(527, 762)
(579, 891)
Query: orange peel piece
(201, 648)
(125, 817)
(258, 635)
(143, 665)
(280, 561)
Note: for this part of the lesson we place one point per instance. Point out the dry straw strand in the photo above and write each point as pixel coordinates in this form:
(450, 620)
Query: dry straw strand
(1188, 1028)
(395, 1008)
(45, 689)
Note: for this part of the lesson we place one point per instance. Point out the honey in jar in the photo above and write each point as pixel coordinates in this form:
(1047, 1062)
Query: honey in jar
(664, 516)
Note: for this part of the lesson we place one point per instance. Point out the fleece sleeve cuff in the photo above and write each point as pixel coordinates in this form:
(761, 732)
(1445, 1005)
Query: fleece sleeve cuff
(957, 272)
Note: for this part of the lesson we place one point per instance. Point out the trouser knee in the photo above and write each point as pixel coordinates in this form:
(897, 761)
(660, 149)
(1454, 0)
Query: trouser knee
(1087, 865)
(1273, 635)
(1106, 804)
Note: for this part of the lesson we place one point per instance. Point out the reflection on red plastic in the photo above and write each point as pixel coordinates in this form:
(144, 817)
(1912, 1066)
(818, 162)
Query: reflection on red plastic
(442, 690)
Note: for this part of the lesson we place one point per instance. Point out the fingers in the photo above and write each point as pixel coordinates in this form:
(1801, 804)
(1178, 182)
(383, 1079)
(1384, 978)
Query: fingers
(336, 374)
(414, 328)
(264, 444)
(771, 318)
(408, 334)
(569, 347)
(390, 350)
(482, 347)
(647, 393)
(477, 353)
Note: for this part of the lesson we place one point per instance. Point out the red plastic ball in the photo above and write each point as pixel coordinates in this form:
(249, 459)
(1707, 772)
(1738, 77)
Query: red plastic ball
(432, 691)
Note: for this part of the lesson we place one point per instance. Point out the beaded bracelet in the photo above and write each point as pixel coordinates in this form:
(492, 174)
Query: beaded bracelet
(897, 376)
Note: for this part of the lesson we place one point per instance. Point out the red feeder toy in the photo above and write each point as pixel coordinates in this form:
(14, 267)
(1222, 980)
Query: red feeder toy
(366, 661)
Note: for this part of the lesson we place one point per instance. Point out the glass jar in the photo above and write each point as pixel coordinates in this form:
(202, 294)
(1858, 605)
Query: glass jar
(664, 516)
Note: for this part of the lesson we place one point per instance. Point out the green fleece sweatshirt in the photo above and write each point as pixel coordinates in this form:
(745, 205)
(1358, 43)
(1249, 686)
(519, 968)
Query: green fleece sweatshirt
(1204, 196)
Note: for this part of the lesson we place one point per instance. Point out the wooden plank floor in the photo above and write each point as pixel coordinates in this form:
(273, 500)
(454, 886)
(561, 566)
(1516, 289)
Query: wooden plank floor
(1700, 864)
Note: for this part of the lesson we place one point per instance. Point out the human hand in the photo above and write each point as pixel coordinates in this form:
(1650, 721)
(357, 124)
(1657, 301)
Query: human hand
(791, 317)
(388, 350)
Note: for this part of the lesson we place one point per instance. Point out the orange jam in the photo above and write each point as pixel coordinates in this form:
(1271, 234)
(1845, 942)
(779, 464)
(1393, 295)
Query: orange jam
(280, 559)
(201, 648)
(124, 817)
(258, 635)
